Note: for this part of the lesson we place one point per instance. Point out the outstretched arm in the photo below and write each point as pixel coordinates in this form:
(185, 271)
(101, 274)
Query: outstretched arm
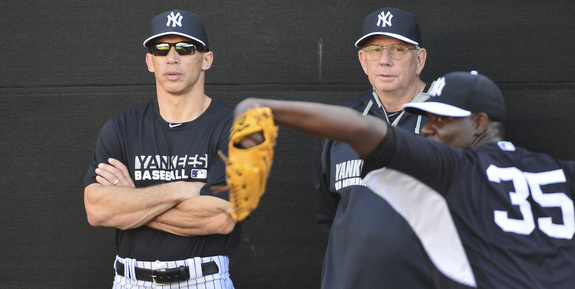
(339, 123)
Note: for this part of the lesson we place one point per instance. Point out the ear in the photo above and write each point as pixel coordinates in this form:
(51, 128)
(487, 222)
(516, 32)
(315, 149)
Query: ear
(362, 60)
(208, 59)
(421, 57)
(481, 122)
(149, 62)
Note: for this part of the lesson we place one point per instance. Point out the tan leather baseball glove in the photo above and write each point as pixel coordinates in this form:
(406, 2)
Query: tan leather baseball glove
(247, 169)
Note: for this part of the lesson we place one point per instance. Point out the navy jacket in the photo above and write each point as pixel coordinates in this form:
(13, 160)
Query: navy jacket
(370, 244)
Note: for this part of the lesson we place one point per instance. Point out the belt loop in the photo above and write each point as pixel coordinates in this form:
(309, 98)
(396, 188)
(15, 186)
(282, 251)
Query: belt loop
(130, 268)
(184, 272)
(196, 268)
(157, 265)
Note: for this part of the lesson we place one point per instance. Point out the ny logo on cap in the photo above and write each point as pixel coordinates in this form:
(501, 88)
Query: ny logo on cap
(384, 19)
(175, 19)
(437, 87)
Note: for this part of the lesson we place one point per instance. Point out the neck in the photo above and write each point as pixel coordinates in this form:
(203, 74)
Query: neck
(490, 136)
(182, 108)
(394, 100)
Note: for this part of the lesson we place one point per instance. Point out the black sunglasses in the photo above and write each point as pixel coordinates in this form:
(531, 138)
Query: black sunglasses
(163, 48)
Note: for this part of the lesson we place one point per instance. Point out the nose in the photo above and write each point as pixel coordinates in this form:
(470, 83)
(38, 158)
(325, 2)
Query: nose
(427, 129)
(385, 58)
(173, 56)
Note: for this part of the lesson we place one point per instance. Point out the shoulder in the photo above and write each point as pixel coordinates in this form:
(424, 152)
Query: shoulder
(220, 109)
(525, 159)
(136, 112)
(130, 116)
(220, 105)
(416, 153)
(218, 118)
(361, 102)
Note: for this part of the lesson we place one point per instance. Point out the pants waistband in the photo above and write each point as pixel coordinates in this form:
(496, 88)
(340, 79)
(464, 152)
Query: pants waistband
(163, 272)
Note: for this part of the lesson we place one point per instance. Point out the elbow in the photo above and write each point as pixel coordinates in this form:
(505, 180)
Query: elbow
(91, 212)
(94, 219)
(228, 226)
(97, 216)
(223, 226)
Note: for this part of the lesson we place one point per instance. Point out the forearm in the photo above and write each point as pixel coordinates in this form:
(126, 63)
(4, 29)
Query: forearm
(127, 208)
(202, 215)
(339, 123)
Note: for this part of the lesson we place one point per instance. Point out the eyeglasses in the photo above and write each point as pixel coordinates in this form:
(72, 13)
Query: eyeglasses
(395, 51)
(163, 48)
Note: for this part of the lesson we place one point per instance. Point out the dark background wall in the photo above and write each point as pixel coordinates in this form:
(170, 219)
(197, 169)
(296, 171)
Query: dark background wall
(68, 66)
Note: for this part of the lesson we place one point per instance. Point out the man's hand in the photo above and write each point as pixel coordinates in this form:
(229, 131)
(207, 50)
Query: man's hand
(252, 140)
(114, 174)
(256, 138)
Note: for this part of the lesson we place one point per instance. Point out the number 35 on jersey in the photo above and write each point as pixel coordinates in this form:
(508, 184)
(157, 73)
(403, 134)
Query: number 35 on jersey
(526, 184)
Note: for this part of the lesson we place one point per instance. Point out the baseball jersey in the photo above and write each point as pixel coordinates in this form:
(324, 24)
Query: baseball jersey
(494, 216)
(370, 245)
(157, 152)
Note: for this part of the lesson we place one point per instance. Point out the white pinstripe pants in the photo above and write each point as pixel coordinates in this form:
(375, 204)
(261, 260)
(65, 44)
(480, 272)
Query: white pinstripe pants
(220, 280)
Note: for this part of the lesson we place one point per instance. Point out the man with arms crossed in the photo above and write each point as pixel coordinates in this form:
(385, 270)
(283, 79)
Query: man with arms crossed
(488, 214)
(392, 58)
(153, 166)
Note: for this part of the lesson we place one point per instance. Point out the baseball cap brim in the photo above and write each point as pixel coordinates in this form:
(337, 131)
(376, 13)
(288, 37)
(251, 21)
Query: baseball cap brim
(359, 43)
(437, 108)
(149, 41)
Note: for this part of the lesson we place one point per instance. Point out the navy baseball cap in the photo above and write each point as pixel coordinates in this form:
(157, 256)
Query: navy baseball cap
(459, 94)
(391, 22)
(178, 22)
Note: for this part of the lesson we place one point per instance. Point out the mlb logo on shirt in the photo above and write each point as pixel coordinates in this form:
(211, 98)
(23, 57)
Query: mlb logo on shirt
(199, 174)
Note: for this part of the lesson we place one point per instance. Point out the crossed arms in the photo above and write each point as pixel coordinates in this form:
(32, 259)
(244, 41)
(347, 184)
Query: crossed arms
(175, 207)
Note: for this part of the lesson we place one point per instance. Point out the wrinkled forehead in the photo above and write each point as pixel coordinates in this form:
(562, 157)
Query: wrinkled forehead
(384, 40)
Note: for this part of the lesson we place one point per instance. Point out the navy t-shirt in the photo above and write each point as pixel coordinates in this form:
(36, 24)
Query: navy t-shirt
(157, 152)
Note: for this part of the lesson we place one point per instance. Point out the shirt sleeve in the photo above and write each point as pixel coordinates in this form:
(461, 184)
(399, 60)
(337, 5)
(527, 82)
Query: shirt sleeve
(108, 146)
(382, 153)
(432, 162)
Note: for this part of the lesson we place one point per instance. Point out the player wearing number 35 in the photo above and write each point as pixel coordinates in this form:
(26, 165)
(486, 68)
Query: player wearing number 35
(488, 214)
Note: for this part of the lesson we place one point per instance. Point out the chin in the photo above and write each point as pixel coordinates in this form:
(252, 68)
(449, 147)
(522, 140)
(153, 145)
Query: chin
(386, 87)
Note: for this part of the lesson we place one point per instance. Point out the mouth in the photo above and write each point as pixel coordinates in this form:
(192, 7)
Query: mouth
(172, 75)
(386, 76)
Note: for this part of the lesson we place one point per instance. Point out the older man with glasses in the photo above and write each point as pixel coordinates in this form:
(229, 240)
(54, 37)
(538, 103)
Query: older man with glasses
(370, 244)
(153, 167)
